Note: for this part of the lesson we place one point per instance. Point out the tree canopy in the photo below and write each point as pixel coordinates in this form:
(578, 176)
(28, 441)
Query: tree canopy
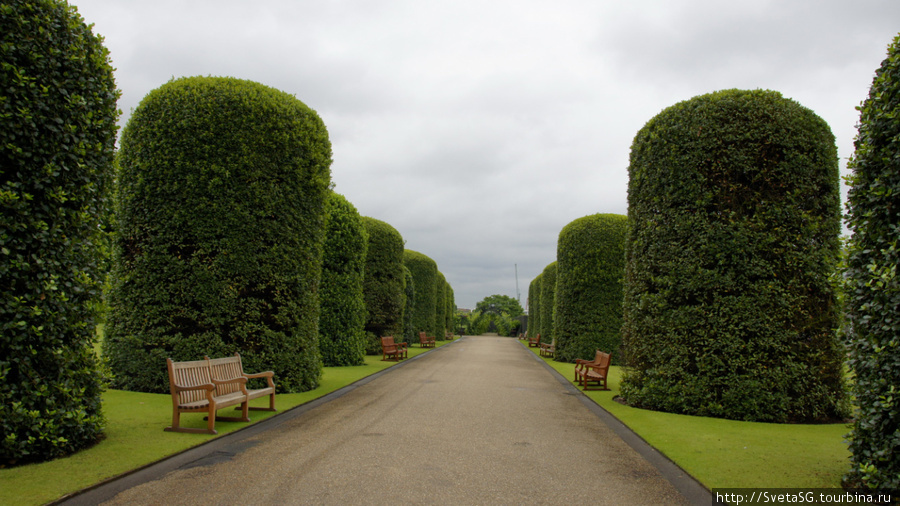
(498, 304)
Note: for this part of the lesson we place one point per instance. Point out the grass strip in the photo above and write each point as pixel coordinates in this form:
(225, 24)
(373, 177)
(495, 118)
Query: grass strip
(134, 436)
(729, 453)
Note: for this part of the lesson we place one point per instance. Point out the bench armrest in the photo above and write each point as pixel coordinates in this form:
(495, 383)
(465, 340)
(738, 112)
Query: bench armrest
(202, 386)
(266, 374)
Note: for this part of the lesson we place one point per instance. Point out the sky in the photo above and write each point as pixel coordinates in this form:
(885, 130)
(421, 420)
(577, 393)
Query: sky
(480, 128)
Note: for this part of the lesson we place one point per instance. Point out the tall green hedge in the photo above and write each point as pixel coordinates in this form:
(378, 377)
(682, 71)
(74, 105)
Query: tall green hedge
(590, 267)
(873, 286)
(548, 303)
(383, 287)
(410, 334)
(450, 312)
(424, 273)
(534, 306)
(221, 197)
(440, 307)
(57, 135)
(734, 216)
(342, 308)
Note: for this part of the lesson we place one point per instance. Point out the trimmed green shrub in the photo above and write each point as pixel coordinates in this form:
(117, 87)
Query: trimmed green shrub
(221, 198)
(733, 210)
(383, 287)
(342, 308)
(57, 136)
(590, 267)
(548, 303)
(424, 274)
(873, 288)
(410, 335)
(440, 307)
(534, 306)
(450, 313)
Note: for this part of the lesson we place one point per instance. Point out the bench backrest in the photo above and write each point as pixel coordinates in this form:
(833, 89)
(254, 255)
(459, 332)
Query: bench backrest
(188, 374)
(226, 368)
(387, 342)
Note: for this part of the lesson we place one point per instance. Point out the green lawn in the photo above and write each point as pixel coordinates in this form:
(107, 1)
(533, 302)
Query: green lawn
(733, 454)
(719, 453)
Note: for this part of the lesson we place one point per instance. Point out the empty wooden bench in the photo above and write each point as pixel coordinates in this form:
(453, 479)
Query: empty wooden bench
(534, 341)
(228, 368)
(593, 374)
(195, 391)
(548, 349)
(392, 350)
(425, 341)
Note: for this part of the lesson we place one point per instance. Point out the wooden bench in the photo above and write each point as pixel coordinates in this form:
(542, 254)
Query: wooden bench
(548, 350)
(534, 341)
(425, 341)
(449, 336)
(593, 377)
(228, 368)
(195, 391)
(392, 350)
(581, 365)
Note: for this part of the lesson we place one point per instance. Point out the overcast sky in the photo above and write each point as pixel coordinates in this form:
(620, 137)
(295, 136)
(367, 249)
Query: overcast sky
(480, 128)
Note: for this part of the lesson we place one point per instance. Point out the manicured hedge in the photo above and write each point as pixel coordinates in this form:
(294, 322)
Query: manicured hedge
(424, 274)
(342, 313)
(734, 215)
(440, 307)
(450, 313)
(534, 306)
(410, 335)
(548, 303)
(590, 267)
(383, 287)
(873, 288)
(221, 202)
(57, 136)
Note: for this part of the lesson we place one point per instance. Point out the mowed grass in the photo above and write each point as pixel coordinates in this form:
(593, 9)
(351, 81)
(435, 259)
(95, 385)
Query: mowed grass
(733, 454)
(135, 436)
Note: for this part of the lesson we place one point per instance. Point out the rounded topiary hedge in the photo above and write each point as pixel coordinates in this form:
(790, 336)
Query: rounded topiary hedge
(57, 136)
(450, 313)
(590, 268)
(873, 288)
(534, 306)
(342, 307)
(424, 274)
(440, 308)
(548, 303)
(734, 215)
(410, 335)
(221, 197)
(383, 287)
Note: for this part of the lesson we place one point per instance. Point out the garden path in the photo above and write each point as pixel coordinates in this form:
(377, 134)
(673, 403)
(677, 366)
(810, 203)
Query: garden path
(480, 421)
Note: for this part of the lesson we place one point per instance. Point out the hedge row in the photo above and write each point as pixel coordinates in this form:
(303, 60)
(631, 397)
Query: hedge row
(57, 134)
(384, 284)
(590, 265)
(733, 209)
(424, 275)
(548, 303)
(342, 312)
(873, 288)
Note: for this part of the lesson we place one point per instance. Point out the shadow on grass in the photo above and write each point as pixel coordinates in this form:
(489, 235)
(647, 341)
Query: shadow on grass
(135, 436)
(732, 454)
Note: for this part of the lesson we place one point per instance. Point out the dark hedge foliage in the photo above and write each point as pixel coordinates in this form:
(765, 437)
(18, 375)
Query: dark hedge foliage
(548, 303)
(410, 335)
(57, 136)
(440, 307)
(383, 287)
(534, 306)
(221, 198)
(590, 268)
(342, 307)
(450, 313)
(733, 233)
(424, 274)
(873, 288)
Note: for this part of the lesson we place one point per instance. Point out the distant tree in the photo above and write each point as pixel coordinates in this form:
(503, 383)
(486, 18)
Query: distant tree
(733, 221)
(873, 284)
(57, 136)
(498, 304)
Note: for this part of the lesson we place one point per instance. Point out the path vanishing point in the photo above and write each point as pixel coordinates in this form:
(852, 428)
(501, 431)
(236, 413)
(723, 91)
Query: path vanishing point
(478, 421)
